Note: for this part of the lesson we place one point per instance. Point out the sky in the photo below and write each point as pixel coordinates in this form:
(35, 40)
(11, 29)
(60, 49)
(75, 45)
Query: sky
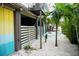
(50, 5)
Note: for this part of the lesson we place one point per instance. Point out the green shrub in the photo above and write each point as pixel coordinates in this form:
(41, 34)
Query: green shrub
(69, 30)
(28, 47)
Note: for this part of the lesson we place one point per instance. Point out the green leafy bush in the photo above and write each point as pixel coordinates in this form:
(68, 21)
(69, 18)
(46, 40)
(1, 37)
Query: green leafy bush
(69, 31)
(28, 47)
(70, 28)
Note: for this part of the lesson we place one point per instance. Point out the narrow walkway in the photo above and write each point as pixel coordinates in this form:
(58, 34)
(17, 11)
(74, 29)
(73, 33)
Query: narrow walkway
(65, 48)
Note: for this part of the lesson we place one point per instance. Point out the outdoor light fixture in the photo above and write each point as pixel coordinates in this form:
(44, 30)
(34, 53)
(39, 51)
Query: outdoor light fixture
(21, 9)
(2, 5)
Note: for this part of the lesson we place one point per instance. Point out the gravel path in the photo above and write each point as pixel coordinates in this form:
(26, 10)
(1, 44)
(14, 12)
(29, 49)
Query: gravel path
(65, 48)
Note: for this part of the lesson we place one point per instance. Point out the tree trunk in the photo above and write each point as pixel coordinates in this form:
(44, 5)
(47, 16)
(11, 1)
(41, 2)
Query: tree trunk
(56, 36)
(45, 38)
(76, 32)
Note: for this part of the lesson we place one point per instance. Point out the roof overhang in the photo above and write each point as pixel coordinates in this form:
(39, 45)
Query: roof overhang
(19, 7)
(37, 12)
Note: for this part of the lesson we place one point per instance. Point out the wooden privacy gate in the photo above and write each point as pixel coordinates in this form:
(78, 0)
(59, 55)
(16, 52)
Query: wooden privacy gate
(28, 33)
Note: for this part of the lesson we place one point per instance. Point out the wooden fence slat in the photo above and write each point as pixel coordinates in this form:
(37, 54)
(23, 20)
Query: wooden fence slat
(27, 33)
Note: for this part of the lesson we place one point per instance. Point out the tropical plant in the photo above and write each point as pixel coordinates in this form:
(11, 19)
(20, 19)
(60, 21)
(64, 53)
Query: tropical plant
(69, 26)
(56, 15)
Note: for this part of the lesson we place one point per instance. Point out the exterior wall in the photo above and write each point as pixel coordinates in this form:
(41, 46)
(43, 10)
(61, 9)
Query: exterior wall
(6, 31)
